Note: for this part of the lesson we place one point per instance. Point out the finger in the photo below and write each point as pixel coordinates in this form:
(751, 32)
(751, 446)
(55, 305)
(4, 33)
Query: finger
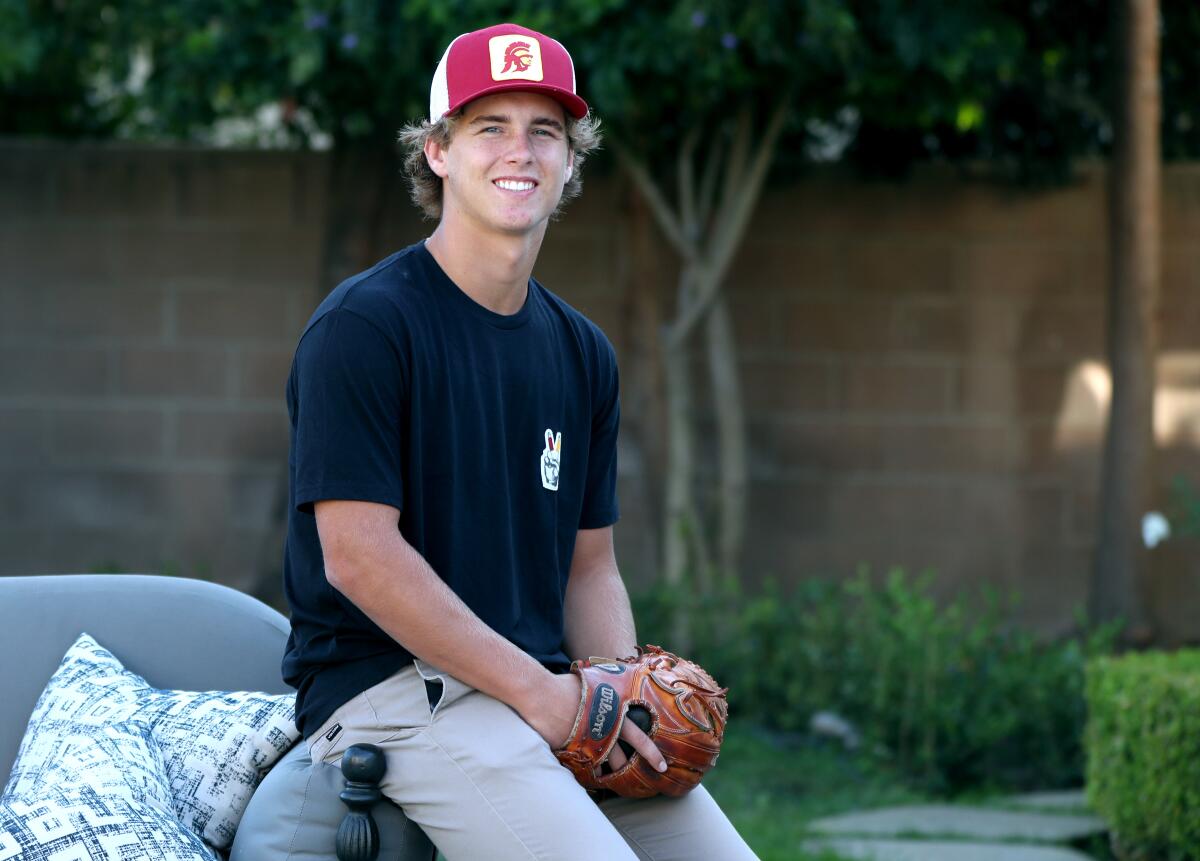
(617, 758)
(643, 745)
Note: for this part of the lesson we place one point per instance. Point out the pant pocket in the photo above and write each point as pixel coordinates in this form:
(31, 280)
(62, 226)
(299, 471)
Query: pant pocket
(386, 710)
(441, 689)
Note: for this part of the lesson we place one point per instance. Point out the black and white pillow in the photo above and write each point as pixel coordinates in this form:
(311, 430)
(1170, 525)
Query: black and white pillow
(80, 824)
(114, 759)
(216, 746)
(106, 797)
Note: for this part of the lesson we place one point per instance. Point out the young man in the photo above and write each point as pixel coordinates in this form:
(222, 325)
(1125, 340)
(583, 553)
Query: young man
(453, 471)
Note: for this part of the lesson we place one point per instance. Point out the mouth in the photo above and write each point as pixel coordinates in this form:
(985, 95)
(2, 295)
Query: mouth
(517, 185)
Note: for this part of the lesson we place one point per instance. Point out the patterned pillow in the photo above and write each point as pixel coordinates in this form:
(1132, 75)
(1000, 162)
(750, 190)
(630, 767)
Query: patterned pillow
(118, 759)
(81, 824)
(216, 746)
(106, 797)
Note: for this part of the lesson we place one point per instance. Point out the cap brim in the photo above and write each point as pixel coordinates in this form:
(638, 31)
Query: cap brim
(574, 105)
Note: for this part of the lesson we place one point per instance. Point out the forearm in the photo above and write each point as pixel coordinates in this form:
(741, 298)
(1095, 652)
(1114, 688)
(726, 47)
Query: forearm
(397, 589)
(598, 619)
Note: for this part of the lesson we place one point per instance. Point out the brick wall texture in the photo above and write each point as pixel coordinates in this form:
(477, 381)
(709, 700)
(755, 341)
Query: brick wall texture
(922, 363)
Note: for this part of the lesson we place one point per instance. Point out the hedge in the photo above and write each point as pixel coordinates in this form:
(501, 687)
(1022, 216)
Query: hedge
(1143, 752)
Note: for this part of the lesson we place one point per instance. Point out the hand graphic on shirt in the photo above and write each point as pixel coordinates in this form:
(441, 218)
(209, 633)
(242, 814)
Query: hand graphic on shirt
(551, 457)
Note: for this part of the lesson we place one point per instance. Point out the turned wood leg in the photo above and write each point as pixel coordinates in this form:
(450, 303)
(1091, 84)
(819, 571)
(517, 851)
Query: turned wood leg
(363, 766)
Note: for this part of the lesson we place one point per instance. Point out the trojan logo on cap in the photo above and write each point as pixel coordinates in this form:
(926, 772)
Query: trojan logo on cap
(515, 57)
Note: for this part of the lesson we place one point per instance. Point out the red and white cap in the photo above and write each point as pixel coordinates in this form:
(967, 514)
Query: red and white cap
(500, 59)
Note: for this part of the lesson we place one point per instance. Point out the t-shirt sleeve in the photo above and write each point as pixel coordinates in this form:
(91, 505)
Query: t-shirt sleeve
(349, 395)
(600, 499)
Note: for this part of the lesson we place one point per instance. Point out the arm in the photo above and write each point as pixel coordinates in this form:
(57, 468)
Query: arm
(368, 561)
(599, 621)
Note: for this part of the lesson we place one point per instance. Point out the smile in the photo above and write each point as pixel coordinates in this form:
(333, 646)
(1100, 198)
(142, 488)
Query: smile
(515, 184)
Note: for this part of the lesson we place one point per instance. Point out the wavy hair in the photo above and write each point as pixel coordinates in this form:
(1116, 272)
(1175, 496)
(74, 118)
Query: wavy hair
(425, 186)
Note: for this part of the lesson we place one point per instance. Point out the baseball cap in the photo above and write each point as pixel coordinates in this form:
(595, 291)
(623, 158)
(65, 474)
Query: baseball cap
(503, 58)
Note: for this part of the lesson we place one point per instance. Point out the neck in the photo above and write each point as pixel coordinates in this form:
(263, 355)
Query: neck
(493, 269)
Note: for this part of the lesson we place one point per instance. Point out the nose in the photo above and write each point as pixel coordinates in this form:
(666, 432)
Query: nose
(519, 150)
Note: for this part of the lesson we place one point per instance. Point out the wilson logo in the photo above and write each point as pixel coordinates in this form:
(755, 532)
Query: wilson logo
(603, 714)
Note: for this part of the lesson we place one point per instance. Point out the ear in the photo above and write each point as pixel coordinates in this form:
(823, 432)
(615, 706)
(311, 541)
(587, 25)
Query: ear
(435, 154)
(570, 166)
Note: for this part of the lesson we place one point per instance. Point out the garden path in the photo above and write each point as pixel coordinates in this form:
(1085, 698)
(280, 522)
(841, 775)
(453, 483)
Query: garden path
(1031, 827)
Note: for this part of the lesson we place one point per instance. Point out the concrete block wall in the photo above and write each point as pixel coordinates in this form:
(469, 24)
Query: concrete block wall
(919, 363)
(149, 302)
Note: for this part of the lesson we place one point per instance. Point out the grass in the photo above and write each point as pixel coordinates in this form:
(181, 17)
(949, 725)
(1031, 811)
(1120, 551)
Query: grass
(772, 786)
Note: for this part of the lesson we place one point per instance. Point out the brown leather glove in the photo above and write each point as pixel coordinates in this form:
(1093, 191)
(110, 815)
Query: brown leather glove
(686, 710)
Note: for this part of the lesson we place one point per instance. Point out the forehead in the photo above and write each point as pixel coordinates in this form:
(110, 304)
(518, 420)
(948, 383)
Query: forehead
(517, 105)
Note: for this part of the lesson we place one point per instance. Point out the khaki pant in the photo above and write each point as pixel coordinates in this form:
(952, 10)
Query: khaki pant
(483, 785)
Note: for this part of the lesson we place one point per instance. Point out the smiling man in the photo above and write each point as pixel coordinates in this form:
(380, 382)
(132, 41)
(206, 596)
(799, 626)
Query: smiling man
(453, 475)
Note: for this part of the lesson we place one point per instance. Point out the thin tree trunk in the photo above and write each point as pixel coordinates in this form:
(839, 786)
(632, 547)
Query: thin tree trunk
(1127, 471)
(704, 229)
(731, 437)
(677, 506)
(642, 397)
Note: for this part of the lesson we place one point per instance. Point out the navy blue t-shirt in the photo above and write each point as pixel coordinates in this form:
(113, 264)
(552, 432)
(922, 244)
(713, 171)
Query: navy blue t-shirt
(495, 436)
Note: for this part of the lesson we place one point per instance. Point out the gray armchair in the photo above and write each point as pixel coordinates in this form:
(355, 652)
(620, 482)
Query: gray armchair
(191, 635)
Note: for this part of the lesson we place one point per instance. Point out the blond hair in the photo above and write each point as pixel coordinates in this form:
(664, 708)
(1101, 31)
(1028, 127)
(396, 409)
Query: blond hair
(425, 186)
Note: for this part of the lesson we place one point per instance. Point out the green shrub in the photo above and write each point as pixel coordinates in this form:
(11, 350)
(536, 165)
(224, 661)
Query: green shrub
(1143, 751)
(954, 696)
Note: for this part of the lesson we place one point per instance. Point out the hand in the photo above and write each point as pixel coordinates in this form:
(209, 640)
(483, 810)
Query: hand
(641, 743)
(552, 711)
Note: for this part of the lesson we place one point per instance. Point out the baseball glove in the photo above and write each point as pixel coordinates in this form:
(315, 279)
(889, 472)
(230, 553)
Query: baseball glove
(684, 712)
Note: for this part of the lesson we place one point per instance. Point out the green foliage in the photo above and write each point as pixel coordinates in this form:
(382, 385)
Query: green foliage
(1022, 83)
(49, 53)
(953, 696)
(349, 65)
(1143, 751)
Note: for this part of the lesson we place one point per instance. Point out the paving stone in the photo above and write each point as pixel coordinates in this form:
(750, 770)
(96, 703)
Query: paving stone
(937, 850)
(971, 822)
(1067, 800)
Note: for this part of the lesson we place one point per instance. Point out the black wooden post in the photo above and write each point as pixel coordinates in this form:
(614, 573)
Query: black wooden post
(363, 766)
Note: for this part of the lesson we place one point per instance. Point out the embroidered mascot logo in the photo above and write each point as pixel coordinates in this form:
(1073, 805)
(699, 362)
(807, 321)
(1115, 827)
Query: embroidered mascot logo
(517, 58)
(550, 460)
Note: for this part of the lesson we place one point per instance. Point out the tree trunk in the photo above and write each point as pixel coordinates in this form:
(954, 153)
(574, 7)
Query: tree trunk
(731, 437)
(677, 503)
(1134, 201)
(643, 404)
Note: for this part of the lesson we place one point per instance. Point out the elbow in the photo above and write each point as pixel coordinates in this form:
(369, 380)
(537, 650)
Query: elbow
(343, 567)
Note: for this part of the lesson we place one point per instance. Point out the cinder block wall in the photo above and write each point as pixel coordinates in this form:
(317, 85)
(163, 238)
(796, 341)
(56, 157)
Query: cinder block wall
(924, 362)
(919, 360)
(149, 302)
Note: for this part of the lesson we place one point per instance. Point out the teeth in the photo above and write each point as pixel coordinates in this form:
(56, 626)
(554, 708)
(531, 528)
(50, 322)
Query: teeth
(513, 185)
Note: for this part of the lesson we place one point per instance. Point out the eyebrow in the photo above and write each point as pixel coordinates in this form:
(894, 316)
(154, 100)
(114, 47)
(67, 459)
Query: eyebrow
(504, 118)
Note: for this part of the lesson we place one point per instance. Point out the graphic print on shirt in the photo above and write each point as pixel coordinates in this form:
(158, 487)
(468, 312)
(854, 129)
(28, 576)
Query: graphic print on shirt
(551, 456)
